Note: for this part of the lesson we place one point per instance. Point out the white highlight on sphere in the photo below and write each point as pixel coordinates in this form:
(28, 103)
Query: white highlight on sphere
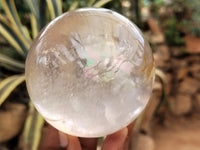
(90, 72)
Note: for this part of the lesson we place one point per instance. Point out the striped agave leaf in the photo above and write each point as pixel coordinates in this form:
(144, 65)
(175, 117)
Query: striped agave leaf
(101, 3)
(16, 25)
(37, 16)
(12, 37)
(74, 5)
(32, 129)
(8, 85)
(91, 3)
(11, 63)
(55, 8)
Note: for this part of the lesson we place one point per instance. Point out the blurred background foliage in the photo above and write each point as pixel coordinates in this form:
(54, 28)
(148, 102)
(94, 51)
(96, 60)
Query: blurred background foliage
(21, 21)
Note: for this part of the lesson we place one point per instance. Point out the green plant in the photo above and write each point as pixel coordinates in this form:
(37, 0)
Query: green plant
(185, 12)
(190, 12)
(20, 36)
(172, 34)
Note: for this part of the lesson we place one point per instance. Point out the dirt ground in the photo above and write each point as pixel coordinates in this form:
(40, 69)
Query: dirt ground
(175, 115)
(178, 135)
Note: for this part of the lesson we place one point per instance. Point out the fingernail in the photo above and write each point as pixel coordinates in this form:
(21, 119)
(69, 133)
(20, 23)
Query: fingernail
(63, 139)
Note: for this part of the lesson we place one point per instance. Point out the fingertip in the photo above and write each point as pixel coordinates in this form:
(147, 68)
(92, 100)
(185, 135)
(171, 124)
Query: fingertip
(73, 143)
(116, 140)
(49, 139)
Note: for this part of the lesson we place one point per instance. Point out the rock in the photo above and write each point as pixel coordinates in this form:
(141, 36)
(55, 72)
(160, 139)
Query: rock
(164, 52)
(157, 39)
(177, 63)
(11, 120)
(153, 25)
(192, 44)
(161, 55)
(142, 142)
(182, 73)
(195, 70)
(197, 97)
(189, 86)
(157, 36)
(181, 104)
(145, 13)
(168, 86)
(159, 63)
(196, 75)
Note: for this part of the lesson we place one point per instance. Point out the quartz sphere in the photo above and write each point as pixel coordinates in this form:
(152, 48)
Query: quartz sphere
(90, 72)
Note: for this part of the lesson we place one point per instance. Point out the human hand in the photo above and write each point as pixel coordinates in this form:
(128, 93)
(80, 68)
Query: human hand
(55, 140)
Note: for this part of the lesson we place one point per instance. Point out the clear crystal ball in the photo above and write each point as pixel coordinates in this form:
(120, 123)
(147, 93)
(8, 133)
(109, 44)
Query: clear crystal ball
(90, 72)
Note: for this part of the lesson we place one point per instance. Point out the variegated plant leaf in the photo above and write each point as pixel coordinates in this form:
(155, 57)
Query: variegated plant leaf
(55, 8)
(11, 63)
(16, 25)
(12, 38)
(74, 5)
(101, 3)
(32, 130)
(8, 85)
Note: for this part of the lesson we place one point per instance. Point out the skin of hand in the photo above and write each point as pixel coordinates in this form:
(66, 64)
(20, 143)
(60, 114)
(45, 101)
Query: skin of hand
(54, 140)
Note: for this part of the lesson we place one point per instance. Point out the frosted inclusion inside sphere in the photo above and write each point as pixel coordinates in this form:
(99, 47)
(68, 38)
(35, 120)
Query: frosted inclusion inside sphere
(90, 72)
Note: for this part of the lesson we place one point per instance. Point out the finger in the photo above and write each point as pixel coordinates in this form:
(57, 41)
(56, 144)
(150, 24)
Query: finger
(116, 140)
(127, 141)
(73, 143)
(50, 139)
(88, 143)
(63, 139)
(130, 128)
